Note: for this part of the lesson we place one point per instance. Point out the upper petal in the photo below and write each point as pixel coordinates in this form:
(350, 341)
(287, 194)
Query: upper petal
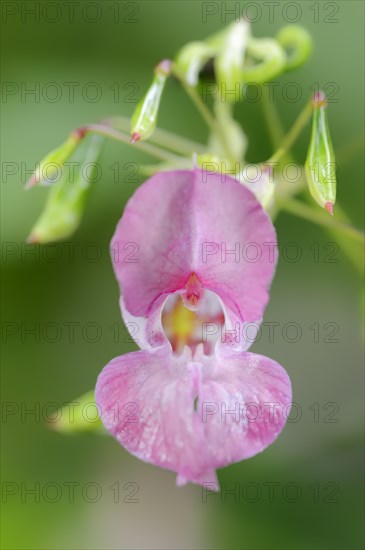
(193, 416)
(192, 222)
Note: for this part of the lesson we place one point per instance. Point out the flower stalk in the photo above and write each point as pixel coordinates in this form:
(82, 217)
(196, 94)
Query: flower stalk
(237, 57)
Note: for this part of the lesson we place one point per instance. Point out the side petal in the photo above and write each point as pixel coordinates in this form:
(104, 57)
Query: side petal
(193, 222)
(189, 416)
(244, 404)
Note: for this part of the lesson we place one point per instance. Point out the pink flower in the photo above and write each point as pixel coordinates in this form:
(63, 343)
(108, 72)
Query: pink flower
(194, 257)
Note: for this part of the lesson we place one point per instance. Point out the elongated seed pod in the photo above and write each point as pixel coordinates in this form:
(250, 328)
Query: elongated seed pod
(144, 118)
(67, 196)
(320, 165)
(54, 161)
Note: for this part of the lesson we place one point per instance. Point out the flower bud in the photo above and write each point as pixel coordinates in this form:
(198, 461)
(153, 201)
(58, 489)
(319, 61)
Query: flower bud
(144, 118)
(67, 196)
(297, 43)
(272, 60)
(191, 59)
(230, 59)
(320, 166)
(81, 415)
(51, 163)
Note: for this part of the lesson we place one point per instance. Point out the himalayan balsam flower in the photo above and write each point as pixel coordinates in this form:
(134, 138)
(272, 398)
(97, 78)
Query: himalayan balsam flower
(194, 258)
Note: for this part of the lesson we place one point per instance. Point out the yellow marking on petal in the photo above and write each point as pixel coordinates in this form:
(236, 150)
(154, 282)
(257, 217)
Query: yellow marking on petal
(180, 324)
(182, 320)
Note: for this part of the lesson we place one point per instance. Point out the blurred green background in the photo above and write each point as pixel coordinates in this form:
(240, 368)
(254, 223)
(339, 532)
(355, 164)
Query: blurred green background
(304, 492)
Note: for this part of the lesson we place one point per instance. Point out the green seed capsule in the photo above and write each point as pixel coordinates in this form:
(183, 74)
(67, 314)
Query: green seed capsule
(320, 165)
(81, 415)
(230, 59)
(67, 196)
(54, 161)
(297, 43)
(144, 118)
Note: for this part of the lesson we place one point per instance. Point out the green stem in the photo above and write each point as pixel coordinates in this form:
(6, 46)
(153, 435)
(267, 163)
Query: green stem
(148, 148)
(353, 147)
(271, 115)
(196, 99)
(308, 213)
(204, 111)
(163, 138)
(294, 132)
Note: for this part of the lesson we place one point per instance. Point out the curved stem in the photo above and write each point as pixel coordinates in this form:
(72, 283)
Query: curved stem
(148, 148)
(164, 138)
(272, 118)
(294, 132)
(347, 152)
(204, 111)
(196, 99)
(303, 211)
